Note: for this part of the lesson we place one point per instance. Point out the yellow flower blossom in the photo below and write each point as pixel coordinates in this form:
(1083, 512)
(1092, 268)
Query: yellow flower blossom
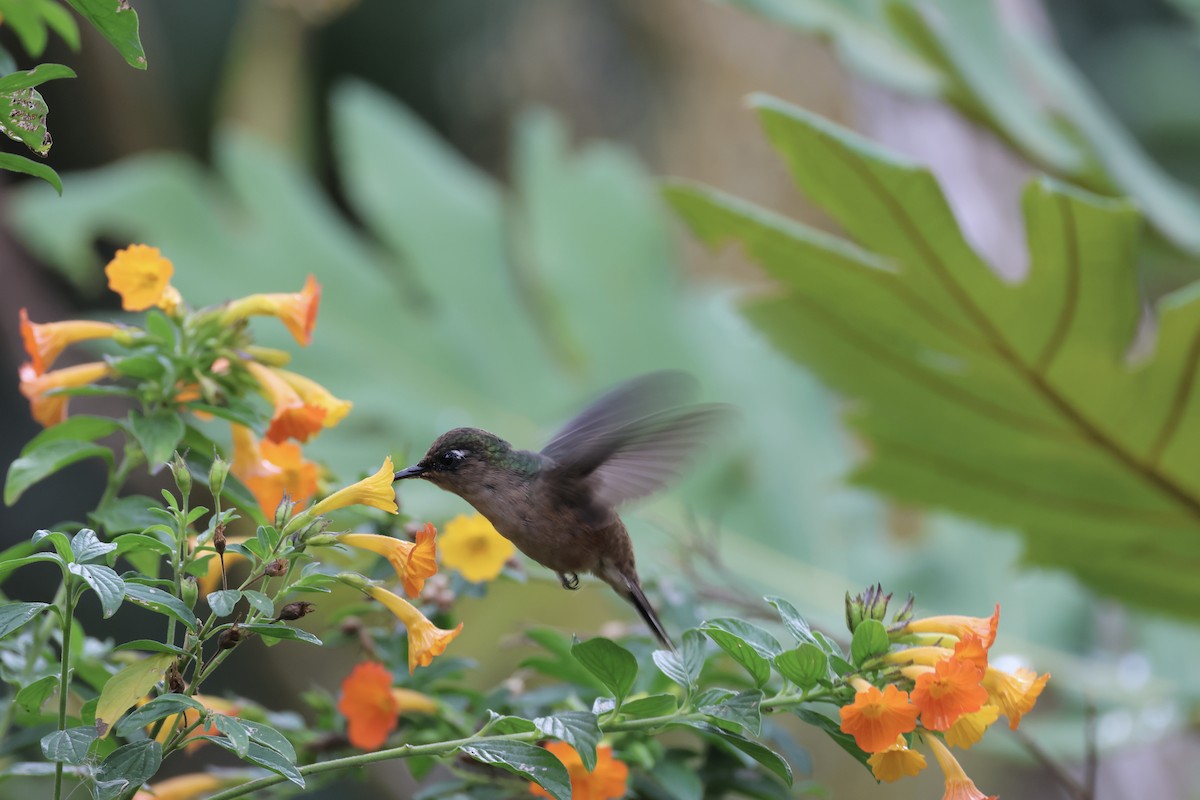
(1015, 693)
(296, 310)
(969, 728)
(958, 785)
(473, 548)
(898, 761)
(375, 491)
(413, 562)
(425, 640)
(293, 418)
(142, 276)
(314, 394)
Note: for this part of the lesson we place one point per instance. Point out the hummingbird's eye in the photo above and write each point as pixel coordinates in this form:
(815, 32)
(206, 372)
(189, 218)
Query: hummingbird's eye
(451, 458)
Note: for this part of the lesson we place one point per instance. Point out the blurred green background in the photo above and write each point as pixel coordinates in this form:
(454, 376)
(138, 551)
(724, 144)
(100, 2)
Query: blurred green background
(474, 183)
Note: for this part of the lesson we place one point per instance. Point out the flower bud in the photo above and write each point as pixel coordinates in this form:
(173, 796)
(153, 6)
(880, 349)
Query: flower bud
(219, 541)
(183, 478)
(871, 604)
(276, 568)
(175, 681)
(217, 474)
(319, 539)
(190, 592)
(295, 610)
(353, 580)
(283, 512)
(229, 638)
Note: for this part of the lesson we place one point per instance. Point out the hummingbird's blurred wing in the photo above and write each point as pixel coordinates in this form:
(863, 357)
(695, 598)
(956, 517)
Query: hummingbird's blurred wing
(635, 439)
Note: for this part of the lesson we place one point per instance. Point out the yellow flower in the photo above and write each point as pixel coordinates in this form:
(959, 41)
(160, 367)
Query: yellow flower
(296, 310)
(958, 785)
(969, 728)
(958, 626)
(413, 562)
(172, 723)
(142, 276)
(271, 469)
(375, 491)
(51, 409)
(425, 640)
(293, 418)
(898, 761)
(1015, 692)
(44, 342)
(473, 548)
(191, 786)
(314, 394)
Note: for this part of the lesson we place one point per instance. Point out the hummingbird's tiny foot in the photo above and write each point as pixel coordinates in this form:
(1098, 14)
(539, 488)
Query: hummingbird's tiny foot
(569, 580)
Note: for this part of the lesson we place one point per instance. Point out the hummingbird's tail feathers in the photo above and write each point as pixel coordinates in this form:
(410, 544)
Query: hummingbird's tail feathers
(637, 597)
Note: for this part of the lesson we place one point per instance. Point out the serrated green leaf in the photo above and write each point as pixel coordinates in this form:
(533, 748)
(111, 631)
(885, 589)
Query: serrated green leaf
(803, 666)
(116, 22)
(107, 585)
(31, 696)
(47, 460)
(161, 602)
(612, 664)
(14, 616)
(223, 602)
(157, 434)
(128, 686)
(532, 763)
(86, 545)
(1096, 461)
(655, 705)
(579, 729)
(128, 766)
(69, 746)
(160, 707)
(870, 640)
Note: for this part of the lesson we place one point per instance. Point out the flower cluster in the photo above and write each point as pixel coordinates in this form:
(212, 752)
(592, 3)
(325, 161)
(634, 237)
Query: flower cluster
(934, 686)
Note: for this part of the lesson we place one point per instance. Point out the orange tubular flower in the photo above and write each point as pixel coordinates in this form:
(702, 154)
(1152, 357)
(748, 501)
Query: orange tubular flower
(876, 718)
(44, 342)
(172, 723)
(425, 640)
(958, 785)
(51, 409)
(368, 705)
(293, 418)
(971, 648)
(375, 491)
(958, 626)
(969, 728)
(314, 394)
(608, 781)
(297, 310)
(271, 469)
(142, 276)
(190, 786)
(413, 562)
(898, 761)
(950, 690)
(1015, 693)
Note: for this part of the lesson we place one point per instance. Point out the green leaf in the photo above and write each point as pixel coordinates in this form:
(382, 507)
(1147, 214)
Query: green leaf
(128, 767)
(34, 77)
(655, 705)
(60, 542)
(578, 729)
(107, 585)
(139, 543)
(280, 631)
(14, 616)
(69, 746)
(260, 602)
(239, 738)
(870, 640)
(47, 460)
(86, 545)
(742, 709)
(161, 602)
(1096, 462)
(161, 707)
(831, 727)
(612, 664)
(128, 686)
(763, 755)
(31, 696)
(267, 736)
(533, 763)
(116, 22)
(804, 666)
(22, 109)
(13, 564)
(747, 644)
(27, 166)
(150, 645)
(158, 435)
(126, 515)
(264, 757)
(500, 724)
(683, 666)
(79, 428)
(222, 602)
(792, 620)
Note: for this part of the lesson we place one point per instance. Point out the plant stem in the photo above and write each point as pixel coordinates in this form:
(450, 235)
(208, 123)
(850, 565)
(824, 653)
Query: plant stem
(64, 674)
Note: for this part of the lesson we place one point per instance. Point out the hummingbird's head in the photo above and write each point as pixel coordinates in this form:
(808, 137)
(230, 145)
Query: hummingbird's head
(459, 459)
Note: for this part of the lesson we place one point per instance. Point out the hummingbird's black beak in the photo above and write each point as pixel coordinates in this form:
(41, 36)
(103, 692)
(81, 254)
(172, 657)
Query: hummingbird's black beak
(414, 471)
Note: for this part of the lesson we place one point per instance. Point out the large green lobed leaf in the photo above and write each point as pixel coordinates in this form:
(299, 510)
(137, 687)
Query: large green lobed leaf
(1013, 403)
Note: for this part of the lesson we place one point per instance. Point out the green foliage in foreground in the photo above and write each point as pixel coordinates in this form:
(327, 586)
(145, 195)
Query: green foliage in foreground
(1013, 403)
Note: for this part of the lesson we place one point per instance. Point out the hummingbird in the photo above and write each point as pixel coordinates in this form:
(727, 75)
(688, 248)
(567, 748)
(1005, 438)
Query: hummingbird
(559, 505)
